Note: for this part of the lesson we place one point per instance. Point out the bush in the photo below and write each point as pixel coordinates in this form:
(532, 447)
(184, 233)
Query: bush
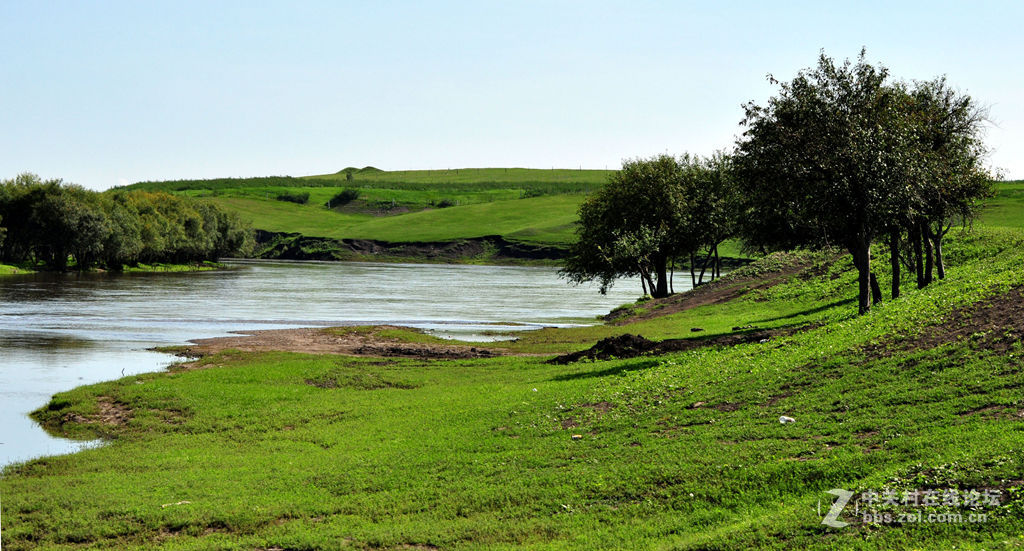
(343, 198)
(299, 198)
(445, 203)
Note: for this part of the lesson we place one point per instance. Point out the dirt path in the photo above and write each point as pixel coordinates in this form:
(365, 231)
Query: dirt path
(353, 341)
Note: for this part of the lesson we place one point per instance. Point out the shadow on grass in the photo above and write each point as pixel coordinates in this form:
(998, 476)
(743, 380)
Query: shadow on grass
(616, 370)
(809, 311)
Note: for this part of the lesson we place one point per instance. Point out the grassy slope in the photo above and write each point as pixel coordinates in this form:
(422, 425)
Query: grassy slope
(684, 451)
(489, 201)
(541, 219)
(6, 269)
(1006, 209)
(475, 176)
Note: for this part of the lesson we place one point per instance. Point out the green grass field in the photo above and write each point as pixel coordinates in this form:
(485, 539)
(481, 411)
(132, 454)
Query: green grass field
(1006, 209)
(679, 451)
(547, 219)
(466, 179)
(530, 205)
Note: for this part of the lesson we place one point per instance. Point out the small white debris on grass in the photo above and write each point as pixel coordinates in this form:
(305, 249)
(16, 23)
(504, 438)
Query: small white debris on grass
(173, 504)
(535, 390)
(784, 419)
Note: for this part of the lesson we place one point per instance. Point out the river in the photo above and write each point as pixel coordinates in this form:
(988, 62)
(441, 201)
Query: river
(61, 331)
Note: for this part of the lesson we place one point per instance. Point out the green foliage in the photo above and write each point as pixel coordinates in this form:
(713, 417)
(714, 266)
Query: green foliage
(650, 212)
(51, 222)
(345, 197)
(631, 226)
(297, 198)
(821, 163)
(840, 157)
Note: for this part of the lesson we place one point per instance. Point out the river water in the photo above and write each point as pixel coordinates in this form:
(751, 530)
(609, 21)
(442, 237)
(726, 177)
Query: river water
(61, 331)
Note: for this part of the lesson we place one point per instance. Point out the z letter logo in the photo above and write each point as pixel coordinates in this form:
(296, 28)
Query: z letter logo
(832, 518)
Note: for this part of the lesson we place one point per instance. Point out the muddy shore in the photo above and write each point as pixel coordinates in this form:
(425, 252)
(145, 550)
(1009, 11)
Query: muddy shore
(351, 341)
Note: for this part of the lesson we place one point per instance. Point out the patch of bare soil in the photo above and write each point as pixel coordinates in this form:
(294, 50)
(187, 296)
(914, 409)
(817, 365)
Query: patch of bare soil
(631, 346)
(323, 341)
(111, 413)
(722, 290)
(995, 324)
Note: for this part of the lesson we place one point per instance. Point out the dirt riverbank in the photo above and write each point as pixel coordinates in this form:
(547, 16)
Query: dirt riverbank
(379, 340)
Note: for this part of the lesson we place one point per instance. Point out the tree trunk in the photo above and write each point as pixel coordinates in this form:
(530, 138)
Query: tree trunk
(894, 260)
(876, 291)
(672, 277)
(643, 282)
(693, 274)
(718, 266)
(929, 260)
(940, 266)
(861, 252)
(915, 238)
(704, 268)
(650, 281)
(661, 271)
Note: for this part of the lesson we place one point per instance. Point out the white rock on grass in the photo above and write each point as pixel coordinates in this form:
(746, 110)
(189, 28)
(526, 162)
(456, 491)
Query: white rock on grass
(784, 419)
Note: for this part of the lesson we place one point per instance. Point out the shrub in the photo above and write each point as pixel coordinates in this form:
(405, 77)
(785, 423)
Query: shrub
(299, 198)
(343, 198)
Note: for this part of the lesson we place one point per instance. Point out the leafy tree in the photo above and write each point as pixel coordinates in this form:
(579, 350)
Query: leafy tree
(50, 222)
(714, 210)
(124, 242)
(88, 225)
(631, 227)
(826, 162)
(949, 127)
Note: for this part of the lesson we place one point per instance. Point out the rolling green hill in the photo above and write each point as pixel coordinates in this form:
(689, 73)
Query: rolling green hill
(533, 206)
(547, 219)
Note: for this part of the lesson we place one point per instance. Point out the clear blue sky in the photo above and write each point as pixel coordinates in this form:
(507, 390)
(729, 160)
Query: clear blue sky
(102, 93)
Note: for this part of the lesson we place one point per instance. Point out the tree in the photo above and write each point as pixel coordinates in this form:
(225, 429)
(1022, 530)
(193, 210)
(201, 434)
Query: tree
(124, 242)
(826, 162)
(949, 128)
(653, 212)
(714, 211)
(50, 222)
(631, 227)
